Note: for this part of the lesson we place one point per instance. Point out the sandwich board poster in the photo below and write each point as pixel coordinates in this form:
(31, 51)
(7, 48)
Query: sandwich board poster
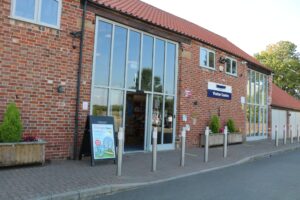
(102, 138)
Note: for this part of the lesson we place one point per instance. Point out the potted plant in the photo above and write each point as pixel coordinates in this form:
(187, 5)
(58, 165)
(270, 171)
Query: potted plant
(215, 137)
(234, 136)
(14, 150)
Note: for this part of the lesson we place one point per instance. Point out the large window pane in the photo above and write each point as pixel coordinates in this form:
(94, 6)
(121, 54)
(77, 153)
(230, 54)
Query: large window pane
(25, 8)
(116, 107)
(228, 66)
(211, 59)
(119, 57)
(147, 63)
(49, 12)
(133, 60)
(233, 71)
(252, 118)
(257, 90)
(170, 69)
(102, 60)
(248, 121)
(157, 115)
(203, 58)
(159, 65)
(99, 101)
(168, 122)
(252, 87)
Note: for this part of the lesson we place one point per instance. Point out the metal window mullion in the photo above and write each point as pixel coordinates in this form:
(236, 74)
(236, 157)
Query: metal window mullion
(141, 60)
(37, 11)
(174, 117)
(110, 68)
(153, 62)
(163, 121)
(125, 79)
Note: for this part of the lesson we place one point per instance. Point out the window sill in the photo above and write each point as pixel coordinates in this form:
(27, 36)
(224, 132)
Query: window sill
(35, 23)
(212, 69)
(234, 75)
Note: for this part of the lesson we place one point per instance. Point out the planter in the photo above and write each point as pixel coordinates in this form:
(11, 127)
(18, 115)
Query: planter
(22, 153)
(217, 139)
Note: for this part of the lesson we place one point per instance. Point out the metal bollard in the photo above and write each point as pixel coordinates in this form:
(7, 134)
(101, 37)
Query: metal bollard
(276, 136)
(291, 134)
(183, 137)
(206, 144)
(225, 142)
(298, 133)
(120, 150)
(154, 149)
(284, 134)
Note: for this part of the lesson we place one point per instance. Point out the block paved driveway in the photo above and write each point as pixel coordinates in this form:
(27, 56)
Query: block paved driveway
(68, 175)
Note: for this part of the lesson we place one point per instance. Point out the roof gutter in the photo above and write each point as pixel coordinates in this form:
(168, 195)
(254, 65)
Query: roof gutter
(75, 150)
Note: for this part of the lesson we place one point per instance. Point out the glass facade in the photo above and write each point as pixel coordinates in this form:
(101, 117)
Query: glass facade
(257, 108)
(128, 61)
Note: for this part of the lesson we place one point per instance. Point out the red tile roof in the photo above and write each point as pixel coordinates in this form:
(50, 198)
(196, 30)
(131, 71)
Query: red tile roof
(158, 17)
(282, 99)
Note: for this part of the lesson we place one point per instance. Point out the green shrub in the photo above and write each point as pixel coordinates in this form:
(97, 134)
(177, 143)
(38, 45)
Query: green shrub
(11, 128)
(231, 126)
(214, 124)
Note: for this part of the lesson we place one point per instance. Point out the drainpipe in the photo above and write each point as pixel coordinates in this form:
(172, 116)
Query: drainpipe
(79, 81)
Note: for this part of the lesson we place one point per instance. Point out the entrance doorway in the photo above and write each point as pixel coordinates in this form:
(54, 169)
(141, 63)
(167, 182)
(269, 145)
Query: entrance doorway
(135, 121)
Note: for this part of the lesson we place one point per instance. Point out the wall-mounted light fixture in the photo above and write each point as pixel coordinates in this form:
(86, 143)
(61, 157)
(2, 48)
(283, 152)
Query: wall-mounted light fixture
(223, 60)
(60, 89)
(75, 34)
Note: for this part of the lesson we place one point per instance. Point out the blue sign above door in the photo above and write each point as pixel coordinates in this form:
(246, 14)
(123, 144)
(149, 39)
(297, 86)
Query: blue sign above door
(220, 91)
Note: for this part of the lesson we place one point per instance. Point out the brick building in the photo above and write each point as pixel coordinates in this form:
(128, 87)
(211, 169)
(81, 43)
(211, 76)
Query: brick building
(63, 60)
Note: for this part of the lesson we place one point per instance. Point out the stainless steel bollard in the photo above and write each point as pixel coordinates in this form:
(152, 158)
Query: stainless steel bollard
(120, 150)
(291, 134)
(183, 138)
(276, 136)
(284, 134)
(206, 144)
(225, 142)
(298, 133)
(154, 149)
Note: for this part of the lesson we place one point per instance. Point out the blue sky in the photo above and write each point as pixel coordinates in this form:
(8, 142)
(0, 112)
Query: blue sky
(251, 25)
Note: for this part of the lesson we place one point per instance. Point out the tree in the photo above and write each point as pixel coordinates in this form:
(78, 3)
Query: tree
(284, 60)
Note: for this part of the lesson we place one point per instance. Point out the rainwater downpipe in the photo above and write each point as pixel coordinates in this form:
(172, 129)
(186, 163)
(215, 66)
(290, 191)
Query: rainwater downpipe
(75, 150)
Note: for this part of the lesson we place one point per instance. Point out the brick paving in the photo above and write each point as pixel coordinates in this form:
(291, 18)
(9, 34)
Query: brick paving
(70, 176)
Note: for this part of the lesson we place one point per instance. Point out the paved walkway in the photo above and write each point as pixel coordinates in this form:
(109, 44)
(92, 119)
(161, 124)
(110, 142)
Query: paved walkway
(78, 180)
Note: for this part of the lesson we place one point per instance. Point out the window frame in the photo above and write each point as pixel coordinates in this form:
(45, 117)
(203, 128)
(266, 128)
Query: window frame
(37, 14)
(231, 61)
(207, 57)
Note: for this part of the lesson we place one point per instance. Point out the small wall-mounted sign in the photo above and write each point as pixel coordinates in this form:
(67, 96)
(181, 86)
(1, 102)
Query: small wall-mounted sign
(220, 91)
(187, 93)
(184, 118)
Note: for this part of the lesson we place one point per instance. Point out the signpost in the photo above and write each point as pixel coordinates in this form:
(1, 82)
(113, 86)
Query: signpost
(102, 138)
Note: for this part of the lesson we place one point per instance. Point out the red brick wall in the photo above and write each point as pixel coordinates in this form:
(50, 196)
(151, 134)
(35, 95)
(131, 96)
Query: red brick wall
(34, 61)
(195, 78)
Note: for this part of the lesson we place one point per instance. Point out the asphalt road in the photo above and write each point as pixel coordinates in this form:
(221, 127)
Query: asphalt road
(272, 178)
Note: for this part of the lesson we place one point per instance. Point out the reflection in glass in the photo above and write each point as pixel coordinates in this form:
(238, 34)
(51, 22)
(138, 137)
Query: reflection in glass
(159, 65)
(248, 121)
(233, 67)
(25, 9)
(157, 115)
(119, 57)
(116, 107)
(228, 65)
(203, 57)
(99, 101)
(170, 69)
(49, 12)
(147, 63)
(133, 60)
(168, 120)
(102, 59)
(211, 60)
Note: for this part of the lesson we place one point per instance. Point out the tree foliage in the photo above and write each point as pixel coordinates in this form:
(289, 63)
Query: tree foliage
(284, 60)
